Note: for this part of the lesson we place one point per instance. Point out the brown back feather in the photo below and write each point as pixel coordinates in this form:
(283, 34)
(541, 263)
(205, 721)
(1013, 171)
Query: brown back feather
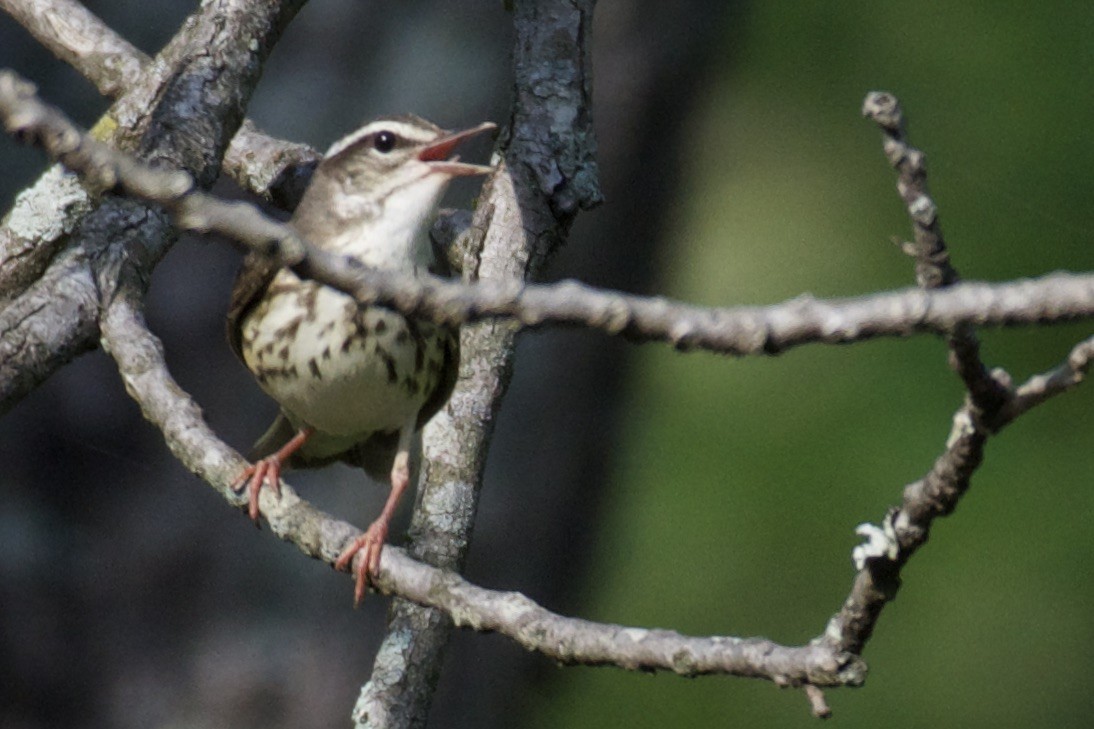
(254, 277)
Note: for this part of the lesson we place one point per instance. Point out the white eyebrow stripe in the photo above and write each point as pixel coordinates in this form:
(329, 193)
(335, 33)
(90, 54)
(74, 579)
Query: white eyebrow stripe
(399, 128)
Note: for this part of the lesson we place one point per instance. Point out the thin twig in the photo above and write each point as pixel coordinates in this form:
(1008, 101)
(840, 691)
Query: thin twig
(991, 405)
(1056, 381)
(904, 530)
(932, 259)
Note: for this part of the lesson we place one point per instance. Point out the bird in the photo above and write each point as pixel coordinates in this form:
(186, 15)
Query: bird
(354, 382)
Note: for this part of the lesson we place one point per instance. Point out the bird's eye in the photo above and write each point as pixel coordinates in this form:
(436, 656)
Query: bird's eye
(384, 141)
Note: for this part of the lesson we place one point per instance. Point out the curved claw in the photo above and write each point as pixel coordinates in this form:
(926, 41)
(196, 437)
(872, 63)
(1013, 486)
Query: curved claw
(267, 470)
(371, 546)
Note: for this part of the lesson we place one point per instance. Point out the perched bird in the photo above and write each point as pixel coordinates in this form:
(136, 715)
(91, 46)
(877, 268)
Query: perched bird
(354, 382)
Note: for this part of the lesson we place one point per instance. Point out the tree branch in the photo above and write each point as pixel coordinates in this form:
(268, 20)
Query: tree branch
(933, 267)
(45, 215)
(1041, 387)
(525, 210)
(139, 357)
(904, 530)
(1054, 298)
(823, 662)
(992, 403)
(523, 215)
(79, 38)
(181, 116)
(273, 168)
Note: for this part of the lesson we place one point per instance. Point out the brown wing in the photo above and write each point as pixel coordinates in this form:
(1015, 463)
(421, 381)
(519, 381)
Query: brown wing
(255, 275)
(449, 372)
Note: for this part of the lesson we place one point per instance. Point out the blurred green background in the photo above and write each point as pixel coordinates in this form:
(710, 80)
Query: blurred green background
(719, 496)
(740, 482)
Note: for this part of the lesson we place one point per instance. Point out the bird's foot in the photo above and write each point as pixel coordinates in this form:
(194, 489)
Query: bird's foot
(267, 470)
(370, 545)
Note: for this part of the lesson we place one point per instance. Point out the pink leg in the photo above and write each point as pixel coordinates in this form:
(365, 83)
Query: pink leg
(268, 470)
(371, 543)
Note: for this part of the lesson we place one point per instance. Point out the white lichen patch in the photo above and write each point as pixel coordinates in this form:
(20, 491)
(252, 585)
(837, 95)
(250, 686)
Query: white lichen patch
(881, 542)
(962, 426)
(34, 216)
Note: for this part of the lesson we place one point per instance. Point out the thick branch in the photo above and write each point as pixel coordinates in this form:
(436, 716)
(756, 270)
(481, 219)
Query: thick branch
(79, 38)
(182, 116)
(40, 221)
(45, 215)
(266, 166)
(548, 172)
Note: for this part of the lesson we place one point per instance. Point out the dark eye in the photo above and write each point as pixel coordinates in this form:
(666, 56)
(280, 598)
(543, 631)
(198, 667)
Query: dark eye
(384, 141)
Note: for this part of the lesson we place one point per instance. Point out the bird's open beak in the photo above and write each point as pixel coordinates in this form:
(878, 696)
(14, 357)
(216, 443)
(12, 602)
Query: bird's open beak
(436, 154)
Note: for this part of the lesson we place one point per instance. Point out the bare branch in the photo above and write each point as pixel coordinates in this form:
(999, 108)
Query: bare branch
(272, 168)
(1043, 386)
(46, 214)
(933, 268)
(902, 533)
(42, 218)
(829, 661)
(266, 166)
(525, 211)
(573, 641)
(79, 38)
(207, 73)
(992, 404)
(1054, 298)
(906, 529)
(54, 320)
(139, 357)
